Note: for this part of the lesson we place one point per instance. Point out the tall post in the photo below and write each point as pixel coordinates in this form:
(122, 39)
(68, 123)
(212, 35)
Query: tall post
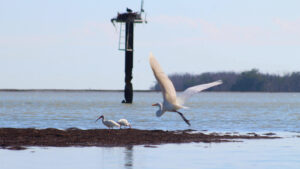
(128, 62)
(129, 18)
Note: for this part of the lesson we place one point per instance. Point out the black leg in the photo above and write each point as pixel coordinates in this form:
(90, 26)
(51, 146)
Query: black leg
(187, 121)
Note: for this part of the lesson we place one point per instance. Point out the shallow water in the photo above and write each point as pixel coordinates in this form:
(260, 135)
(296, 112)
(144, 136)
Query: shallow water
(214, 112)
(259, 154)
(242, 112)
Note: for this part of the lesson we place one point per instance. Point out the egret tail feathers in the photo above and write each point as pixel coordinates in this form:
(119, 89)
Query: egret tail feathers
(184, 107)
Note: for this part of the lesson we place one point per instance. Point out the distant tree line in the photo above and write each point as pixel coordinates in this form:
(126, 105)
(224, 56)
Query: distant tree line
(247, 81)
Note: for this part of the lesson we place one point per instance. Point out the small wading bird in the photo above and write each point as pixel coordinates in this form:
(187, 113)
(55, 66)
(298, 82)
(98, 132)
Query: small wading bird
(172, 103)
(124, 122)
(108, 123)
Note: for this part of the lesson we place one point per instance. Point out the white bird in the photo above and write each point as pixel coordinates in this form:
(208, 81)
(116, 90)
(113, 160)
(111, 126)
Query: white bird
(124, 122)
(108, 123)
(172, 103)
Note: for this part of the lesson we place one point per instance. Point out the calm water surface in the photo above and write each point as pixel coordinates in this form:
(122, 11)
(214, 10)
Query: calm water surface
(251, 112)
(258, 154)
(214, 112)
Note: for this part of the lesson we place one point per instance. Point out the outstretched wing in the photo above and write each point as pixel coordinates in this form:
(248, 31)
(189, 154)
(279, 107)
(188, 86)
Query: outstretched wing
(195, 89)
(165, 83)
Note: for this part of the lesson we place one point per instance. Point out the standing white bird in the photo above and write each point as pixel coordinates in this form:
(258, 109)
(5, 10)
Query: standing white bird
(172, 103)
(124, 122)
(108, 123)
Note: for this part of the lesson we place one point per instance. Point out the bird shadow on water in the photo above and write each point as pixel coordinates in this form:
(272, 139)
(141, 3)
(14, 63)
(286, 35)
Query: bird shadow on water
(128, 161)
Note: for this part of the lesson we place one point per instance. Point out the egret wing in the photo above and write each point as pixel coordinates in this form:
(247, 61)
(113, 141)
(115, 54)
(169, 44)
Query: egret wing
(165, 83)
(195, 89)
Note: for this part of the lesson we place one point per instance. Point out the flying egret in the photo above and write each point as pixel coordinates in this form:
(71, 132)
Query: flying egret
(172, 103)
(124, 122)
(108, 123)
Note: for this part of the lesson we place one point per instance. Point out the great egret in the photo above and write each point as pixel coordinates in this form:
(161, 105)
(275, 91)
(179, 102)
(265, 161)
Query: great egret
(172, 103)
(108, 123)
(124, 122)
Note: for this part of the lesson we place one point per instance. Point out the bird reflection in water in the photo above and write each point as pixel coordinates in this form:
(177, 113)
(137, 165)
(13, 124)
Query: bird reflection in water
(128, 164)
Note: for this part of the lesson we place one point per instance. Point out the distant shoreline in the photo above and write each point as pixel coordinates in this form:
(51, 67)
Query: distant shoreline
(246, 81)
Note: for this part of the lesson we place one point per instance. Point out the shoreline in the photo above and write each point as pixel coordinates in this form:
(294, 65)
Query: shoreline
(20, 138)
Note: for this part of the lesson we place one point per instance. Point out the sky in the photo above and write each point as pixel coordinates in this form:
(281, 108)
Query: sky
(71, 44)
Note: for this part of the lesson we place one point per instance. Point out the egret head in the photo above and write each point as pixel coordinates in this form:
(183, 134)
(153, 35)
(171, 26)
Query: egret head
(160, 111)
(158, 105)
(100, 117)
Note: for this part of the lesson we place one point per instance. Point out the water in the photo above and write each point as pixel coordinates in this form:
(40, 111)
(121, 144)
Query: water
(214, 112)
(241, 112)
(258, 154)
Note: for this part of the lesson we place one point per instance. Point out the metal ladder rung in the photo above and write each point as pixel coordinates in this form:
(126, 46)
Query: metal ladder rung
(121, 38)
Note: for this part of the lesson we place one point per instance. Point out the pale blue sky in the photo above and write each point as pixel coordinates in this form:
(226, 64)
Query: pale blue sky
(71, 44)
